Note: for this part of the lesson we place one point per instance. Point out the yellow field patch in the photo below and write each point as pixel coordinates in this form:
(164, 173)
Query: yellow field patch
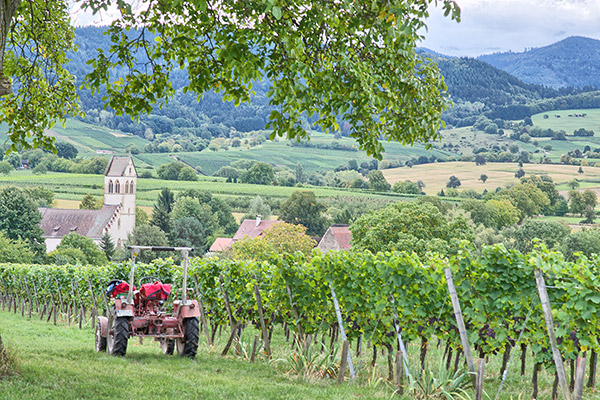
(435, 176)
(69, 204)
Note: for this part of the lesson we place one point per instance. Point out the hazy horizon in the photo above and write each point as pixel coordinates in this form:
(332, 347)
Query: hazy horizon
(490, 26)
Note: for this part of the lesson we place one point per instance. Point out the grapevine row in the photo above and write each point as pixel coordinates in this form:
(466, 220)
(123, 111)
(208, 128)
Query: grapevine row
(377, 293)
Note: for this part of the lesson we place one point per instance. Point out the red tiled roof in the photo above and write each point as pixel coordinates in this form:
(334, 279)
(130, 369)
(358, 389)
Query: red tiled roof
(221, 244)
(250, 228)
(342, 235)
(57, 222)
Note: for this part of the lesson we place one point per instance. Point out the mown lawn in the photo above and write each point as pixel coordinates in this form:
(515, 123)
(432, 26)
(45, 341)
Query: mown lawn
(58, 362)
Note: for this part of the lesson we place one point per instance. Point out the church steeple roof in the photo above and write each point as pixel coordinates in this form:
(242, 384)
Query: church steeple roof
(117, 166)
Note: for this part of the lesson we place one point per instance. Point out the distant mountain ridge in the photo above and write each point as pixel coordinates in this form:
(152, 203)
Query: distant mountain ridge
(574, 61)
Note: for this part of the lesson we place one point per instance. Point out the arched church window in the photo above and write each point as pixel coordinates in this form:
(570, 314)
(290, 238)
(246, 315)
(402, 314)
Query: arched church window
(117, 187)
(110, 186)
(127, 187)
(131, 188)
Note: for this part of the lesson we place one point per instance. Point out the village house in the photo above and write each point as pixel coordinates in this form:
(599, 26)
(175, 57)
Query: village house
(336, 238)
(249, 227)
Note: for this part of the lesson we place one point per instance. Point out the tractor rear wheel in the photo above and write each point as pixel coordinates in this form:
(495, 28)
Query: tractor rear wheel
(100, 341)
(117, 342)
(188, 345)
(167, 346)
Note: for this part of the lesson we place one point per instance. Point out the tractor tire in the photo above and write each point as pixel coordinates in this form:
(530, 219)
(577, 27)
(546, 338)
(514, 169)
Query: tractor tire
(117, 345)
(167, 346)
(188, 345)
(100, 341)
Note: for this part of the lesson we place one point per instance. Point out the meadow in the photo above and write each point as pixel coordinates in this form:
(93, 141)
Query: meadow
(567, 121)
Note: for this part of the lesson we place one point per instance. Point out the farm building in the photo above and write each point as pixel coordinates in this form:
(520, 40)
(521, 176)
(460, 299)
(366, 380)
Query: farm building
(336, 238)
(116, 217)
(249, 227)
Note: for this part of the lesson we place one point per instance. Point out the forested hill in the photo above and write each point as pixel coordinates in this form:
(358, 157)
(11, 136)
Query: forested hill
(475, 87)
(473, 80)
(574, 61)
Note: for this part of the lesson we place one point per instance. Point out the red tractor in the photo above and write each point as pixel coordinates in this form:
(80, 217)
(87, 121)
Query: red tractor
(141, 313)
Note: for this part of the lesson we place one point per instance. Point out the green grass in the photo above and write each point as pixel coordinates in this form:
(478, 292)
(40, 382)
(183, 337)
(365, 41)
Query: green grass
(60, 363)
(569, 124)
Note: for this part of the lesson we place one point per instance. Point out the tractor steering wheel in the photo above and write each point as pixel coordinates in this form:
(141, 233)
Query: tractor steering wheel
(150, 278)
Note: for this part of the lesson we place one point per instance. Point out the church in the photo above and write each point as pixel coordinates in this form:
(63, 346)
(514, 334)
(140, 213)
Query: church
(116, 217)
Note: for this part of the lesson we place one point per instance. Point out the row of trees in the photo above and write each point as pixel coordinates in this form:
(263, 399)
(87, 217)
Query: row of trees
(40, 161)
(431, 225)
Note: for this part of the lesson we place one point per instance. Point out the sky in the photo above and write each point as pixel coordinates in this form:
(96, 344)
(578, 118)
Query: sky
(489, 26)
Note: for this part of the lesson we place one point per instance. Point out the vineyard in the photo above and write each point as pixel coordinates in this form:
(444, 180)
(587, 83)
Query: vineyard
(367, 305)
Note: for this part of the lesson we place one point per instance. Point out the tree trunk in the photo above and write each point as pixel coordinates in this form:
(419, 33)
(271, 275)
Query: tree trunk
(534, 380)
(523, 358)
(505, 358)
(7, 13)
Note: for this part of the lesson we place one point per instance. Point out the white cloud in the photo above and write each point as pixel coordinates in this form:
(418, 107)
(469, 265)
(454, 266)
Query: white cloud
(81, 17)
(500, 25)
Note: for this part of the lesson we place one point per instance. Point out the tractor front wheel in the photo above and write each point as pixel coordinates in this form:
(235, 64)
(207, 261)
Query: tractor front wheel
(117, 342)
(167, 346)
(100, 341)
(188, 345)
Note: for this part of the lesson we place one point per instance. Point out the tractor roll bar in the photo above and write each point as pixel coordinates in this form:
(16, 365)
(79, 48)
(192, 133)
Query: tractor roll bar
(184, 254)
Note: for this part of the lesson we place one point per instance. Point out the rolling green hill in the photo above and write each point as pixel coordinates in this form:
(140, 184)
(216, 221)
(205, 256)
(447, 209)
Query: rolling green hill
(92, 140)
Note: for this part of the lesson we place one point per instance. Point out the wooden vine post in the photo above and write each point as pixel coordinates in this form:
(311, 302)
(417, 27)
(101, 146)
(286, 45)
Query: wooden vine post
(459, 321)
(345, 353)
(263, 326)
(29, 296)
(95, 310)
(62, 305)
(37, 299)
(202, 313)
(400, 341)
(558, 362)
(232, 322)
(579, 378)
(344, 362)
(479, 379)
(295, 312)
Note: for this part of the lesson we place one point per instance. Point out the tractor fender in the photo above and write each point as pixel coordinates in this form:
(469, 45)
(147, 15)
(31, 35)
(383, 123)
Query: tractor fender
(189, 311)
(103, 326)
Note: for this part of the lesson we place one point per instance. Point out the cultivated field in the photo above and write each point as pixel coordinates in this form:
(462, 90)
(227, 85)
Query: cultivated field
(74, 186)
(435, 176)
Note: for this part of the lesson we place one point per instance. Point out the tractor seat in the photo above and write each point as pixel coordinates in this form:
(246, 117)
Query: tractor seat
(156, 291)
